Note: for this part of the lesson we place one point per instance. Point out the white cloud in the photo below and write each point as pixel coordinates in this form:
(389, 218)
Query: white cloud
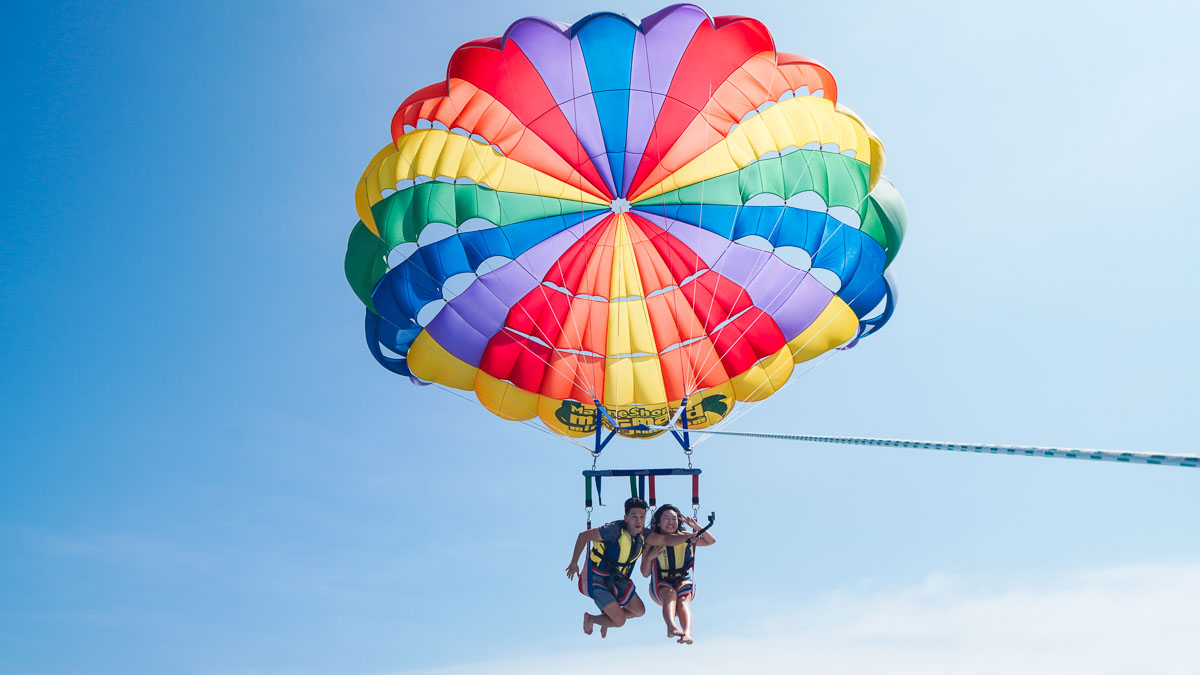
(1114, 621)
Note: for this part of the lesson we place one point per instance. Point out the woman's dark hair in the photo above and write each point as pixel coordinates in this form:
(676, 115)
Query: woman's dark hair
(654, 525)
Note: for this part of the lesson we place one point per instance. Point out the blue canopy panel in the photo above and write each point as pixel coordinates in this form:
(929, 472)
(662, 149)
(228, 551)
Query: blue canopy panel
(856, 258)
(419, 279)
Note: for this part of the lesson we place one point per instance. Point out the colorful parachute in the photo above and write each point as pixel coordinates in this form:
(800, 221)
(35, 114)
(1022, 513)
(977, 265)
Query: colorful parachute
(630, 215)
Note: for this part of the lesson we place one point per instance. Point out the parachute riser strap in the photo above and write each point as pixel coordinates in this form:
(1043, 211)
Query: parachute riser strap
(687, 440)
(587, 499)
(601, 439)
(1026, 450)
(695, 495)
(681, 434)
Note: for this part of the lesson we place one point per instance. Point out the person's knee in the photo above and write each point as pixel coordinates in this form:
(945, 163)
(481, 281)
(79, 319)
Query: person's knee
(615, 613)
(667, 594)
(635, 609)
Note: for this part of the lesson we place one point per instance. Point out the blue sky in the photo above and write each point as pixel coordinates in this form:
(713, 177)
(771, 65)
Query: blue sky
(204, 471)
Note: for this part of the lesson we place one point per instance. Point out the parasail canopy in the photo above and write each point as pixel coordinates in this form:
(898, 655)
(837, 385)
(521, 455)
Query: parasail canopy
(623, 215)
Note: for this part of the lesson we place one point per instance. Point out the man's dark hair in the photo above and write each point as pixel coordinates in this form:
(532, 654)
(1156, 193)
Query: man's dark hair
(635, 503)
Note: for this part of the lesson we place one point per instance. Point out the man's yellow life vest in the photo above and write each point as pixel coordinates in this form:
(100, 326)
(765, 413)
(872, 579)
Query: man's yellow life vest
(619, 558)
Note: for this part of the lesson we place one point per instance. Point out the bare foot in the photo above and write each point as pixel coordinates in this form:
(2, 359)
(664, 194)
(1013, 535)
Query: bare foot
(587, 624)
(672, 631)
(603, 631)
(685, 639)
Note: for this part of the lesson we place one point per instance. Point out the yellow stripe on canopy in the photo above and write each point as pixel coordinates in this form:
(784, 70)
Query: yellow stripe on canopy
(878, 154)
(368, 192)
(834, 326)
(436, 153)
(629, 379)
(430, 361)
(765, 377)
(795, 122)
(505, 399)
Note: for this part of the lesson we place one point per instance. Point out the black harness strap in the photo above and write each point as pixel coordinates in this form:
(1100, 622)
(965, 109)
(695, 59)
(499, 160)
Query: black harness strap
(608, 559)
(677, 572)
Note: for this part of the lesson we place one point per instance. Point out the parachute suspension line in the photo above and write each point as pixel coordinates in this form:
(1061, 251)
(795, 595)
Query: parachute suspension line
(746, 407)
(456, 392)
(529, 423)
(722, 260)
(695, 375)
(1024, 450)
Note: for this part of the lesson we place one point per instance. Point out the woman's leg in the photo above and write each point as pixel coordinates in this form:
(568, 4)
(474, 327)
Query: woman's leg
(668, 597)
(684, 607)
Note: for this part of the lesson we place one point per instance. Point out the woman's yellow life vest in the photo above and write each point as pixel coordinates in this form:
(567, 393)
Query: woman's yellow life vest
(675, 561)
(619, 558)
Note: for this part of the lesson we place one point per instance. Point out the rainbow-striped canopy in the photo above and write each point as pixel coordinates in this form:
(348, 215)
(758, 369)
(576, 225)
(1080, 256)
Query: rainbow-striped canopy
(623, 214)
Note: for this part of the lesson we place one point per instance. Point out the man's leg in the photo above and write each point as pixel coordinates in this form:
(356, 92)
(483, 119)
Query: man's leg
(635, 608)
(612, 616)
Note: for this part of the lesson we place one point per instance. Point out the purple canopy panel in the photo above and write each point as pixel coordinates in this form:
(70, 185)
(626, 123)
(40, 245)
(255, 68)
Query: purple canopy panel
(741, 264)
(467, 322)
(792, 297)
(461, 335)
(547, 47)
(656, 54)
(707, 245)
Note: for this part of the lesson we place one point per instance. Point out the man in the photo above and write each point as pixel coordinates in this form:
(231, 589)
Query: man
(605, 579)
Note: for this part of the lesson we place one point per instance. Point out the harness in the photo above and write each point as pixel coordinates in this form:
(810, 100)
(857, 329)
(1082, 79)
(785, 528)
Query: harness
(620, 561)
(674, 562)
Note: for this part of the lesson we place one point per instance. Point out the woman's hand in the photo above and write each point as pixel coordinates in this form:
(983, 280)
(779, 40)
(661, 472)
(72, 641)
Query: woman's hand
(705, 539)
(572, 570)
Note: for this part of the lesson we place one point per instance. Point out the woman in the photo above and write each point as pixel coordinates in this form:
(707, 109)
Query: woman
(670, 563)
